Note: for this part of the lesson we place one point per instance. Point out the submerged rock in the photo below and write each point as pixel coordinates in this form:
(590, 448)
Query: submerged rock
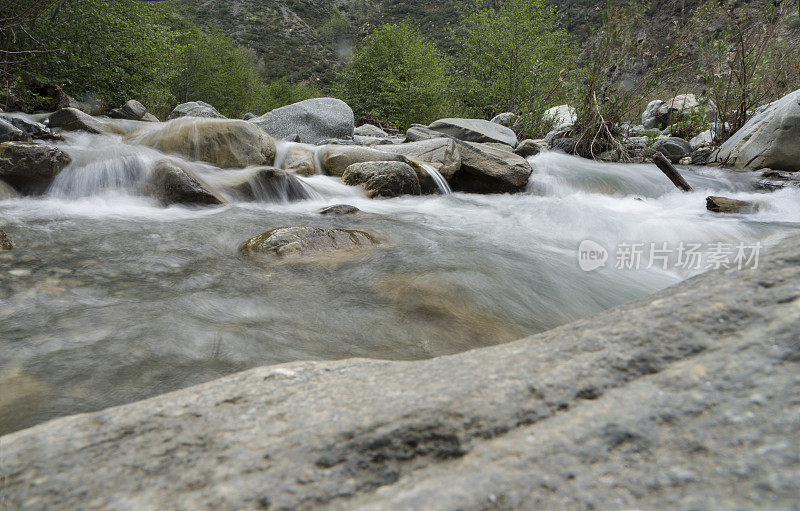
(769, 140)
(486, 169)
(314, 120)
(475, 130)
(268, 184)
(225, 143)
(339, 209)
(29, 167)
(5, 242)
(307, 241)
(383, 178)
(726, 205)
(336, 158)
(195, 109)
(132, 110)
(171, 184)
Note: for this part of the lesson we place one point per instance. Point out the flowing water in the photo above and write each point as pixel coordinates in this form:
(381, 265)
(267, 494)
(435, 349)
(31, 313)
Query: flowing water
(109, 298)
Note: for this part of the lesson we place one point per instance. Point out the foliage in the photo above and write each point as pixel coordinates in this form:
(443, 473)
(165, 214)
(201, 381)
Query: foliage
(693, 122)
(512, 57)
(397, 75)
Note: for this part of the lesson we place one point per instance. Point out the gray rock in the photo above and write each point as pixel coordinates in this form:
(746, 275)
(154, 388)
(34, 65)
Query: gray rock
(248, 116)
(36, 130)
(528, 148)
(171, 184)
(307, 242)
(148, 117)
(7, 192)
(768, 140)
(561, 117)
(268, 184)
(313, 119)
(132, 110)
(418, 133)
(72, 119)
(195, 109)
(9, 132)
(369, 130)
(505, 119)
(703, 139)
(383, 178)
(673, 148)
(564, 144)
(673, 110)
(300, 160)
(30, 168)
(486, 169)
(475, 130)
(6, 243)
(336, 158)
(339, 209)
(441, 151)
(629, 409)
(726, 205)
(650, 117)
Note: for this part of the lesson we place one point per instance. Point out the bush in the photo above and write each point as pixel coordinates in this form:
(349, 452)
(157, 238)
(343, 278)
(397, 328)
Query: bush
(397, 75)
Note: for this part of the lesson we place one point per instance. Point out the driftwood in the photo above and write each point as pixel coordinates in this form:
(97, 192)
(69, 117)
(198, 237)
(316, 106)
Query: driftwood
(671, 172)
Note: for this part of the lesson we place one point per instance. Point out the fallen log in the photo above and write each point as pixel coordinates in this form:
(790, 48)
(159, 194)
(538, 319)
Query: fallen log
(671, 172)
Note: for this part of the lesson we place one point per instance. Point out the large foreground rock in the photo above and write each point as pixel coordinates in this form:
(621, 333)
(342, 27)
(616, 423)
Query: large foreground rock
(383, 178)
(30, 168)
(307, 242)
(683, 400)
(195, 109)
(771, 139)
(314, 120)
(226, 143)
(475, 130)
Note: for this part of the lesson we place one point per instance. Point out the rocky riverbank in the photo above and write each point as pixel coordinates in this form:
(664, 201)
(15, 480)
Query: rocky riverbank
(685, 399)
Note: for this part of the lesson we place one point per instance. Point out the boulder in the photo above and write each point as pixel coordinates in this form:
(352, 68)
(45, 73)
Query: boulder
(307, 241)
(505, 119)
(7, 192)
(148, 117)
(172, 184)
(726, 205)
(771, 139)
(564, 144)
(650, 117)
(195, 109)
(314, 120)
(268, 184)
(703, 139)
(300, 160)
(627, 409)
(30, 168)
(5, 241)
(72, 119)
(383, 178)
(661, 114)
(225, 143)
(475, 130)
(528, 148)
(369, 130)
(562, 116)
(418, 133)
(36, 130)
(441, 151)
(132, 110)
(673, 148)
(248, 116)
(336, 158)
(9, 132)
(339, 209)
(485, 169)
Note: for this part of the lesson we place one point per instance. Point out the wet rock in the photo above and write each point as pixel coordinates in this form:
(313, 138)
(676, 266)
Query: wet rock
(9, 132)
(339, 209)
(383, 178)
(307, 241)
(225, 143)
(5, 242)
(171, 184)
(29, 167)
(300, 160)
(441, 151)
(132, 110)
(7, 192)
(148, 117)
(562, 116)
(368, 130)
(475, 130)
(528, 148)
(726, 205)
(768, 140)
(505, 119)
(21, 392)
(673, 148)
(268, 184)
(701, 413)
(36, 130)
(72, 119)
(336, 158)
(314, 120)
(564, 144)
(195, 109)
(485, 169)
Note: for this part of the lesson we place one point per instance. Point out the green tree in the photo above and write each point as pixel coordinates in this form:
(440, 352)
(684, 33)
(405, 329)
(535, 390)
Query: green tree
(397, 75)
(511, 57)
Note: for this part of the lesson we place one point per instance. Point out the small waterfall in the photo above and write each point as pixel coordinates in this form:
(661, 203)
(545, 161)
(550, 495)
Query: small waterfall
(122, 174)
(280, 187)
(438, 178)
